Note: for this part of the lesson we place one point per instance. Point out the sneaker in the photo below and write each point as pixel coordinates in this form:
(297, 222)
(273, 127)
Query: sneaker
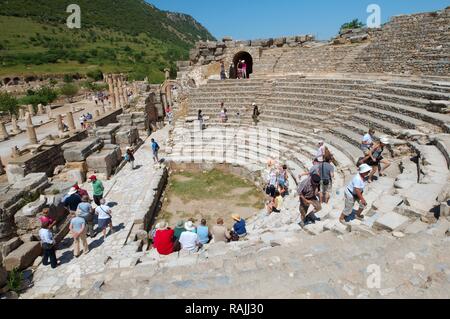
(360, 217)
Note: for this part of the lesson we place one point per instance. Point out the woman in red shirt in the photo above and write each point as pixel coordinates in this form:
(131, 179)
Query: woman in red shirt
(163, 239)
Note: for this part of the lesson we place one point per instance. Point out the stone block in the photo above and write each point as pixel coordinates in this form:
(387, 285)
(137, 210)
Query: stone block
(31, 209)
(10, 246)
(391, 221)
(440, 228)
(30, 182)
(279, 42)
(103, 162)
(444, 209)
(227, 39)
(23, 256)
(81, 166)
(417, 227)
(219, 51)
(79, 151)
(212, 45)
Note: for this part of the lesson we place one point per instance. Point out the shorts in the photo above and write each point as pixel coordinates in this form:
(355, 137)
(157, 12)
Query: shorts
(103, 223)
(372, 163)
(350, 203)
(270, 190)
(155, 153)
(315, 203)
(97, 199)
(326, 188)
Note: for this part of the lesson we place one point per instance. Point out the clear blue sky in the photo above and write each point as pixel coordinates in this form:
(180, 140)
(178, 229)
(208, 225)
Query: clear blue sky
(252, 19)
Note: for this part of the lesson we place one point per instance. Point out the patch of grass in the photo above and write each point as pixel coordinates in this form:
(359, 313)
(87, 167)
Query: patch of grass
(209, 185)
(15, 278)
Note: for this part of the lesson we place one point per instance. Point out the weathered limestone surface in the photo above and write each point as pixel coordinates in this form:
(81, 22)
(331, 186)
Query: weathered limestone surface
(23, 256)
(79, 151)
(104, 161)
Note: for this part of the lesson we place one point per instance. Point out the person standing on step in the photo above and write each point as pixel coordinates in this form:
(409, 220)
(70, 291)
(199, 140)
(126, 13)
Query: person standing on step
(200, 119)
(256, 114)
(104, 218)
(48, 245)
(129, 156)
(354, 193)
(326, 172)
(320, 153)
(308, 190)
(155, 150)
(97, 188)
(232, 72)
(223, 113)
(223, 75)
(367, 141)
(86, 211)
(77, 229)
(72, 200)
(375, 158)
(244, 70)
(239, 69)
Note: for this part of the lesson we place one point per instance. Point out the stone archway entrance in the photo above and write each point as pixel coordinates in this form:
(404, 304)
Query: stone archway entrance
(243, 55)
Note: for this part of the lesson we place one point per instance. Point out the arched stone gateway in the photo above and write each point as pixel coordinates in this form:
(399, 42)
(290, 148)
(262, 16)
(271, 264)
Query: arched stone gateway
(243, 55)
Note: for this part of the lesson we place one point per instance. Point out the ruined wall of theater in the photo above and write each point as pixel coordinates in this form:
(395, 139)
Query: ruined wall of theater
(410, 44)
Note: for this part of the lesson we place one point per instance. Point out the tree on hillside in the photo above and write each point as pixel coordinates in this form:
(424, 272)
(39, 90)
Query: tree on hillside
(69, 91)
(8, 103)
(354, 24)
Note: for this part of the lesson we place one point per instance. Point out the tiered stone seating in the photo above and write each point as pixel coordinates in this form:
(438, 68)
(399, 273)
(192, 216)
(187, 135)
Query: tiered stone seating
(409, 44)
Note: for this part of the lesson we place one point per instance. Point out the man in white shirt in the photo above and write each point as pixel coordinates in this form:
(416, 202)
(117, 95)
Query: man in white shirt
(104, 217)
(189, 239)
(354, 193)
(48, 245)
(320, 151)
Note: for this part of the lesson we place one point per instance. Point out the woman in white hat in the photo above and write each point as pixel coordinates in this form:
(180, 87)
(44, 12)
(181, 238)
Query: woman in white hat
(375, 158)
(354, 193)
(189, 239)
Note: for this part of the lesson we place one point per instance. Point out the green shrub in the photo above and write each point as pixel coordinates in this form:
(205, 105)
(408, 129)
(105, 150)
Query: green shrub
(8, 103)
(15, 279)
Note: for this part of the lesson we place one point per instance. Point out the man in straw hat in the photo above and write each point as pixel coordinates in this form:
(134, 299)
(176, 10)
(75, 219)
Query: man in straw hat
(354, 193)
(239, 226)
(189, 239)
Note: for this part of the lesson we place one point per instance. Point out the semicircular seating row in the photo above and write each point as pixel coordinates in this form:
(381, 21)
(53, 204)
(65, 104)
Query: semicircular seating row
(298, 112)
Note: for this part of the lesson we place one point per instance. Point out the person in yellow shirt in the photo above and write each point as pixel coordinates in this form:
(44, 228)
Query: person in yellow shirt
(274, 206)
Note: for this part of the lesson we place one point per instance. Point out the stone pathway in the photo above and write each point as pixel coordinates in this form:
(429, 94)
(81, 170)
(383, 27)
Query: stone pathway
(127, 190)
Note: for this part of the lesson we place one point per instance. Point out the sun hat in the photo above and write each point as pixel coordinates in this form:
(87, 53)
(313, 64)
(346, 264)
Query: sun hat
(253, 104)
(161, 225)
(385, 140)
(72, 191)
(180, 224)
(236, 217)
(189, 226)
(364, 168)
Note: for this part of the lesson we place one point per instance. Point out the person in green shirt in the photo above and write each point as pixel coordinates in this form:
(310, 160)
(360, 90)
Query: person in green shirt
(179, 228)
(97, 188)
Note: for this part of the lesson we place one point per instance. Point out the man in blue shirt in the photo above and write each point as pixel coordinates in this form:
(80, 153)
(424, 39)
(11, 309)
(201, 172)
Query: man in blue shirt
(155, 149)
(72, 200)
(239, 226)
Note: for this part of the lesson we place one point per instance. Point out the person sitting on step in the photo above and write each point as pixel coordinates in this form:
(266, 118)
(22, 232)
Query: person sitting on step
(163, 240)
(189, 240)
(274, 206)
(203, 232)
(239, 226)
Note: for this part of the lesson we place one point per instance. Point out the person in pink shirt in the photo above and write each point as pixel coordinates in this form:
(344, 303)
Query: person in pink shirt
(47, 219)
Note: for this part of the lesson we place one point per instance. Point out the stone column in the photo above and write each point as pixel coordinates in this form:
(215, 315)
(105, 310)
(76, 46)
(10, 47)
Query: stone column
(3, 132)
(30, 109)
(21, 113)
(167, 73)
(48, 110)
(118, 99)
(97, 113)
(59, 123)
(28, 119)
(16, 129)
(40, 109)
(71, 122)
(103, 110)
(111, 91)
(32, 137)
(2, 170)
